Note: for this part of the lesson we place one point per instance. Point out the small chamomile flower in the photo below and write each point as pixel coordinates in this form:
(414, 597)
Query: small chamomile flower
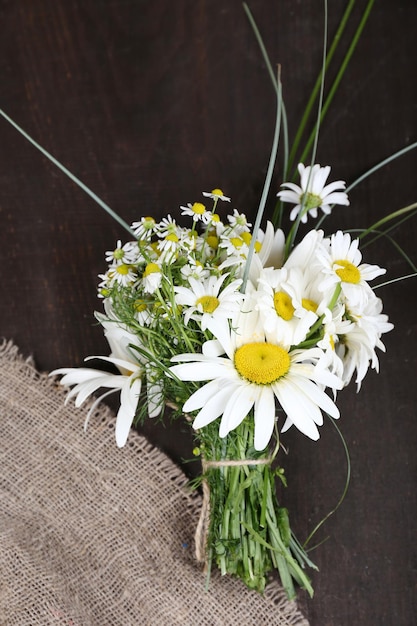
(194, 269)
(143, 229)
(170, 243)
(238, 222)
(122, 274)
(142, 312)
(197, 211)
(216, 194)
(122, 253)
(313, 193)
(151, 277)
(205, 300)
(166, 226)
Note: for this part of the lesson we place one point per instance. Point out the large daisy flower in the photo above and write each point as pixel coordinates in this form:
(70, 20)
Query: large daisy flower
(247, 369)
(86, 381)
(313, 193)
(357, 344)
(341, 264)
(284, 311)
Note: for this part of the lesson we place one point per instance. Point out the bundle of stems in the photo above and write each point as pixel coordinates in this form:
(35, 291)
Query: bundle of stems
(248, 532)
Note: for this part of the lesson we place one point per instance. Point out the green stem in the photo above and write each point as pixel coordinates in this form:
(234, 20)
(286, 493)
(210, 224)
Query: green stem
(378, 166)
(265, 190)
(316, 88)
(347, 481)
(339, 76)
(69, 174)
(294, 229)
(387, 218)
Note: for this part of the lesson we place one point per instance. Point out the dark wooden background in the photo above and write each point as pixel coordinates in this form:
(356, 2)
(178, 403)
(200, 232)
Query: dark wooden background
(152, 102)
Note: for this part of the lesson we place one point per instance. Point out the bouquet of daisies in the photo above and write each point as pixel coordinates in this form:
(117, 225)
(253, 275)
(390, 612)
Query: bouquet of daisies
(244, 332)
(245, 346)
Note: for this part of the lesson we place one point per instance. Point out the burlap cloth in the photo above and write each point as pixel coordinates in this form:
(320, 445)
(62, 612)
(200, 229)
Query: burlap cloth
(94, 535)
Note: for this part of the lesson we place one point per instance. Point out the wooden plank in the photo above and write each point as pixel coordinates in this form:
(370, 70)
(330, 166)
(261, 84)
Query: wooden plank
(151, 103)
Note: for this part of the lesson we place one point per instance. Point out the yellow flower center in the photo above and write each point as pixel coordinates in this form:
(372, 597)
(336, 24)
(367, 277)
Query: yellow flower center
(151, 268)
(208, 303)
(140, 306)
(347, 272)
(246, 237)
(217, 192)
(172, 237)
(309, 305)
(283, 305)
(237, 242)
(122, 269)
(261, 363)
(213, 242)
(198, 208)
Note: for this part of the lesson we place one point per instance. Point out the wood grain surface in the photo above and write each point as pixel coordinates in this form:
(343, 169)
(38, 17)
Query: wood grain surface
(150, 103)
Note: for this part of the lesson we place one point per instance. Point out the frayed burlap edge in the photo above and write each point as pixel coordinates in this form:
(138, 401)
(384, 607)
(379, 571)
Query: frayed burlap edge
(280, 611)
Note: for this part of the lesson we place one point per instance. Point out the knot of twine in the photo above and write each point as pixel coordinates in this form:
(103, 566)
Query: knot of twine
(201, 532)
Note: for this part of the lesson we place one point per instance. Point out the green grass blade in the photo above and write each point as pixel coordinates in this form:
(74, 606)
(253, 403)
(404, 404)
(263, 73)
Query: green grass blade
(69, 174)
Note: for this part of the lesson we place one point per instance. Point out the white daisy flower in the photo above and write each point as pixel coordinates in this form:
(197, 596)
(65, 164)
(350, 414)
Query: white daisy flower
(335, 326)
(284, 311)
(341, 264)
(253, 372)
(86, 381)
(356, 346)
(206, 301)
(269, 251)
(313, 193)
(216, 194)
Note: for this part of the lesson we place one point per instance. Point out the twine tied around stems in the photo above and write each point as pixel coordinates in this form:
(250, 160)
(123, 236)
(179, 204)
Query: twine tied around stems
(201, 532)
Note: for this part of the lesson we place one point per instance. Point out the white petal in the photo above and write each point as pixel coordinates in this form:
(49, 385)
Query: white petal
(201, 396)
(198, 371)
(75, 375)
(213, 408)
(319, 397)
(128, 404)
(237, 408)
(290, 402)
(264, 418)
(83, 390)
